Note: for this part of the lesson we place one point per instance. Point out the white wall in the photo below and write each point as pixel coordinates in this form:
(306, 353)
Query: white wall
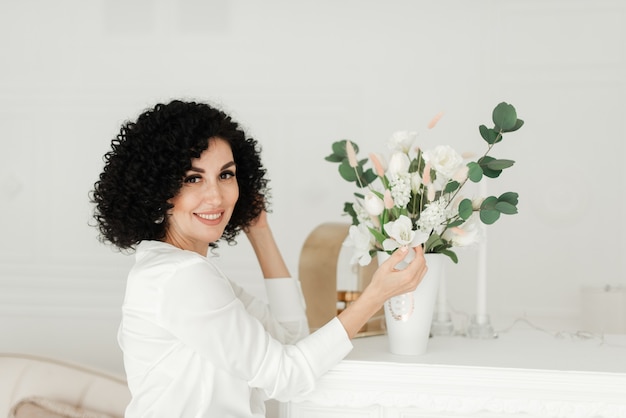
(298, 76)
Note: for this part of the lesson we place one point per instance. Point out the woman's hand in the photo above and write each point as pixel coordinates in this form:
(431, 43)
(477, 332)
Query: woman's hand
(389, 281)
(386, 282)
(260, 222)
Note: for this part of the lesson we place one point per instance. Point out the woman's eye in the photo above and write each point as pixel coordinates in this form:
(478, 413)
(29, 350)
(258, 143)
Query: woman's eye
(227, 175)
(192, 179)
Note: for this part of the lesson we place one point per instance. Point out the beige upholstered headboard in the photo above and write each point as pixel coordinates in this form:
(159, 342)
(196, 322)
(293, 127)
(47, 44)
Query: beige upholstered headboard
(24, 376)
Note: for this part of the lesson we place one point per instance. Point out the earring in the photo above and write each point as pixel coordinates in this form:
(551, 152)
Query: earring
(160, 219)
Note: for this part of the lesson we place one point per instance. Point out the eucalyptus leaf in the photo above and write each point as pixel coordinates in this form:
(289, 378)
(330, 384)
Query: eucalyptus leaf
(489, 172)
(489, 203)
(369, 176)
(465, 209)
(510, 197)
(518, 124)
(349, 209)
(334, 158)
(475, 172)
(506, 208)
(339, 148)
(504, 117)
(347, 172)
(499, 165)
(490, 135)
(451, 186)
(492, 174)
(489, 216)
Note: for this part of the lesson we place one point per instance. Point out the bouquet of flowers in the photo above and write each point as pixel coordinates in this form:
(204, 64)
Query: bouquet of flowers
(414, 197)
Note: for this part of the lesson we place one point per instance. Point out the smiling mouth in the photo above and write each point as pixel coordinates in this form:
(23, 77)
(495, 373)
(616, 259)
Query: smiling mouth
(209, 216)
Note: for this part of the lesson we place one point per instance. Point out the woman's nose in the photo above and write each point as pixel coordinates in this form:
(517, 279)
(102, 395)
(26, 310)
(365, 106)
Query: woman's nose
(211, 191)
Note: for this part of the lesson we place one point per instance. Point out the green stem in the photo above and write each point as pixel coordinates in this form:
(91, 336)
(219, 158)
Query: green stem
(458, 190)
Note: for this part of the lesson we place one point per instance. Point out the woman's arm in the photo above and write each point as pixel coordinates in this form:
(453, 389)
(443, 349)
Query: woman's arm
(270, 258)
(200, 308)
(386, 282)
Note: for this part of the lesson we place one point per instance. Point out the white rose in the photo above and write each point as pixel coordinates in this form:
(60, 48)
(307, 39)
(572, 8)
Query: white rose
(398, 164)
(401, 141)
(444, 159)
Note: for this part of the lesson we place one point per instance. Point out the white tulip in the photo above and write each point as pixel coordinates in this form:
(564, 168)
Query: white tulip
(398, 164)
(416, 182)
(373, 204)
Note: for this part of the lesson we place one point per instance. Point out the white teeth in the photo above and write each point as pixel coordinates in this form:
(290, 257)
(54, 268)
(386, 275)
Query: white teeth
(209, 217)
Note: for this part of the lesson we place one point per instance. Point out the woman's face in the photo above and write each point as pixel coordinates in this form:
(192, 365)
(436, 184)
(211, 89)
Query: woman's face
(205, 202)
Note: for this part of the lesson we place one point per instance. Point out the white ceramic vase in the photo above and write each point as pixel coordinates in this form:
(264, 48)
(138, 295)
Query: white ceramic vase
(408, 317)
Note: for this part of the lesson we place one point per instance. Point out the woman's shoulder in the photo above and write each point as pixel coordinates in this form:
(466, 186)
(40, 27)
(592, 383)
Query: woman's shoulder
(151, 251)
(169, 260)
(182, 275)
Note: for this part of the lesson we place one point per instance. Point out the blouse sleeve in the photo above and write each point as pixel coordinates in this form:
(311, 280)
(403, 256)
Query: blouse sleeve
(200, 307)
(284, 318)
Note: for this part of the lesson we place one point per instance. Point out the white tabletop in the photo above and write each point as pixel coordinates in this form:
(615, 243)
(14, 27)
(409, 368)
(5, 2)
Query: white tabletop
(522, 372)
(518, 348)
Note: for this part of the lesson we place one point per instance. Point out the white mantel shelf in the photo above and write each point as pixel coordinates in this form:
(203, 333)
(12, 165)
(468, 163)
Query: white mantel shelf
(522, 373)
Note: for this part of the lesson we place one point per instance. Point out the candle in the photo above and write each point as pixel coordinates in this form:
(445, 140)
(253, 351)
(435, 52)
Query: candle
(481, 284)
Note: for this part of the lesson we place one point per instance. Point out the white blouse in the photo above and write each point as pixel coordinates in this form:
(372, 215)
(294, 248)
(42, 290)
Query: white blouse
(196, 345)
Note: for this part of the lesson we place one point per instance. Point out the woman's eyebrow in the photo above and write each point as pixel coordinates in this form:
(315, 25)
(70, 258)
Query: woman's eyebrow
(201, 170)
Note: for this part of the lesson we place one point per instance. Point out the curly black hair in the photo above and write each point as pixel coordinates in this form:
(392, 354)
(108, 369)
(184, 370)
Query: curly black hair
(148, 161)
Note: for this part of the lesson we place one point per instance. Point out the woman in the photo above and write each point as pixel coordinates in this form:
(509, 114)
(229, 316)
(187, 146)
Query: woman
(178, 180)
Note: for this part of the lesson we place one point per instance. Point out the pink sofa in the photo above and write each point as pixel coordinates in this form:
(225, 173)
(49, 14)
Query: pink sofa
(32, 386)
